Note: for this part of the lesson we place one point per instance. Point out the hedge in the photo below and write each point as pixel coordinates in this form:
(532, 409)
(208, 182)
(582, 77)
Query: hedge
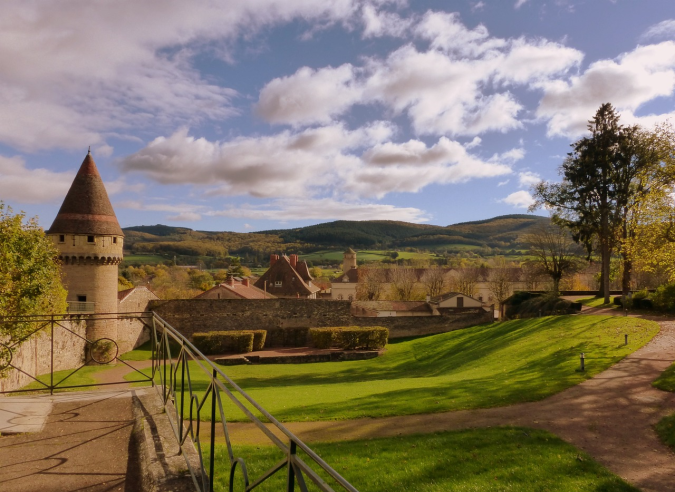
(220, 342)
(259, 337)
(350, 337)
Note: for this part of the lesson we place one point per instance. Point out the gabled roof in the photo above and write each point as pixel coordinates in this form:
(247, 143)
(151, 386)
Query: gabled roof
(294, 281)
(398, 306)
(449, 295)
(350, 276)
(86, 208)
(239, 290)
(350, 251)
(123, 294)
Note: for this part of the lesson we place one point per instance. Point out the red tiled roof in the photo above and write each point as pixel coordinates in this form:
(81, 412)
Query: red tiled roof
(240, 290)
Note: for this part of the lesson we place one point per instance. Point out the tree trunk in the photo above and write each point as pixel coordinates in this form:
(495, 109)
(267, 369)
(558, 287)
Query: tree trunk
(625, 280)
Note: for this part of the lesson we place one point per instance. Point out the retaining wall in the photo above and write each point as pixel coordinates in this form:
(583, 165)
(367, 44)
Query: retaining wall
(274, 315)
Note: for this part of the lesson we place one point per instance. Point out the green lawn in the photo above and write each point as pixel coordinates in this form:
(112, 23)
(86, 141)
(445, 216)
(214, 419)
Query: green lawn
(80, 377)
(666, 426)
(362, 255)
(141, 259)
(496, 459)
(484, 366)
(598, 302)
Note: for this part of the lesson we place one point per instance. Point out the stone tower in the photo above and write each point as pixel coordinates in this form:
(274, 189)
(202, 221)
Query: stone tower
(349, 260)
(89, 240)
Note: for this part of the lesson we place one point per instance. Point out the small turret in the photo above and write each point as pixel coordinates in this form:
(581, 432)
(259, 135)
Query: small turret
(349, 260)
(90, 240)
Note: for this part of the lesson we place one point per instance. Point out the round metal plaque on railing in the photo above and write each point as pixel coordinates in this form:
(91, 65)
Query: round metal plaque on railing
(5, 356)
(103, 351)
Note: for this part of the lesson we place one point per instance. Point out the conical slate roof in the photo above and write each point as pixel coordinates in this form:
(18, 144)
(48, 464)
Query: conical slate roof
(86, 208)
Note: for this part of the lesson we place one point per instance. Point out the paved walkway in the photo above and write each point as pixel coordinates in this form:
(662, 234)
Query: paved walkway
(84, 446)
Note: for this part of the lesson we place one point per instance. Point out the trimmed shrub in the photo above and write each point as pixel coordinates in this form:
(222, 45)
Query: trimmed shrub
(529, 305)
(220, 342)
(324, 338)
(664, 298)
(259, 337)
(369, 338)
(287, 337)
(350, 337)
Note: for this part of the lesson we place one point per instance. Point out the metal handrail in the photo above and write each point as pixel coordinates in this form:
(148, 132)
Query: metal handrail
(296, 468)
(173, 373)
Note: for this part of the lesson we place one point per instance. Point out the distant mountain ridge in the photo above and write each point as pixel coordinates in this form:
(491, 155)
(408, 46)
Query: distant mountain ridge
(504, 231)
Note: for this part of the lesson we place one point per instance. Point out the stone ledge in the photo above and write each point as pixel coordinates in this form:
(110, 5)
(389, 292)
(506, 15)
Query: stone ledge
(162, 468)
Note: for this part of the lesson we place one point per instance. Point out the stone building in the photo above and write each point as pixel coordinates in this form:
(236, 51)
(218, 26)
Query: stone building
(234, 288)
(288, 278)
(89, 240)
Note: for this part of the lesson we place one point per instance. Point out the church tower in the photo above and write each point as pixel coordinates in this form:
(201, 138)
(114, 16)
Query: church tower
(349, 260)
(89, 240)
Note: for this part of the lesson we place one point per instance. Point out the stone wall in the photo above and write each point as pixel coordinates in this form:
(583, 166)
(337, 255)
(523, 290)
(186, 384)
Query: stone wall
(132, 332)
(34, 355)
(203, 315)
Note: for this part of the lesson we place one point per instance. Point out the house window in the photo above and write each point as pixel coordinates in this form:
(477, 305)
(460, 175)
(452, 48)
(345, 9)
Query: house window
(114, 240)
(90, 239)
(277, 283)
(480, 298)
(62, 238)
(460, 302)
(81, 298)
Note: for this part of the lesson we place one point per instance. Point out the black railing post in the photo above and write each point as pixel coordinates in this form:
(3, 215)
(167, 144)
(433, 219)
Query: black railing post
(214, 376)
(51, 363)
(290, 475)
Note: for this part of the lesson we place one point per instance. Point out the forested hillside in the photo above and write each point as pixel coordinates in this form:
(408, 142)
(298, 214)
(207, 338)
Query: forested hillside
(503, 232)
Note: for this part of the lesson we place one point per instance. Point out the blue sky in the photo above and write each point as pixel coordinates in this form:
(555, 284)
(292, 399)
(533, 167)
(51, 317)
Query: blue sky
(259, 114)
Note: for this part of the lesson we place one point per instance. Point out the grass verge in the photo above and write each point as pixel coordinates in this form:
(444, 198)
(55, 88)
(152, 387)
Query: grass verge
(496, 459)
(483, 366)
(82, 376)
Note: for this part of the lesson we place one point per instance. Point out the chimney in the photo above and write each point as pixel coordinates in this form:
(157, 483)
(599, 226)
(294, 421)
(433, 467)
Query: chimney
(294, 260)
(273, 259)
(230, 281)
(244, 282)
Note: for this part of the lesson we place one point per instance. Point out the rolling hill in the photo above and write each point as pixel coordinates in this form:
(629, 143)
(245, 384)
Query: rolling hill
(504, 232)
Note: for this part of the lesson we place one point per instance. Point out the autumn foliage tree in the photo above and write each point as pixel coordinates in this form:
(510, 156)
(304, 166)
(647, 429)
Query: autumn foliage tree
(30, 276)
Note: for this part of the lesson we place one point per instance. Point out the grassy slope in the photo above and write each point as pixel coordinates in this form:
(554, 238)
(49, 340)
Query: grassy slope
(80, 377)
(479, 367)
(501, 459)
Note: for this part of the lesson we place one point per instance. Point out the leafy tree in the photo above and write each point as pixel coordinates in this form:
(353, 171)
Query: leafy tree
(402, 283)
(30, 276)
(594, 190)
(464, 281)
(500, 280)
(433, 280)
(554, 251)
(371, 284)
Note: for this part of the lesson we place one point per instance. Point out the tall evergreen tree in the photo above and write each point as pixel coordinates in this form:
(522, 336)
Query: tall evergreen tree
(588, 199)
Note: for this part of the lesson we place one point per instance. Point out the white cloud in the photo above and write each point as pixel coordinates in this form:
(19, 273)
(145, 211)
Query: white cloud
(460, 85)
(477, 7)
(519, 199)
(503, 183)
(528, 178)
(520, 3)
(309, 96)
(313, 162)
(122, 186)
(160, 207)
(323, 209)
(185, 217)
(663, 30)
(633, 79)
(74, 72)
(474, 143)
(410, 166)
(378, 23)
(22, 185)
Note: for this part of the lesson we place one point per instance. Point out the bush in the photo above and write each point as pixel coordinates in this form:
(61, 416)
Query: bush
(259, 337)
(529, 305)
(324, 338)
(288, 337)
(220, 342)
(350, 337)
(370, 338)
(664, 298)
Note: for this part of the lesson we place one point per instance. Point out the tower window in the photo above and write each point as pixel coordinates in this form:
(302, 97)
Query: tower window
(62, 238)
(114, 240)
(81, 298)
(90, 239)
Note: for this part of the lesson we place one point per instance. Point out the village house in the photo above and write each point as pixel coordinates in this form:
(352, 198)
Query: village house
(235, 288)
(287, 277)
